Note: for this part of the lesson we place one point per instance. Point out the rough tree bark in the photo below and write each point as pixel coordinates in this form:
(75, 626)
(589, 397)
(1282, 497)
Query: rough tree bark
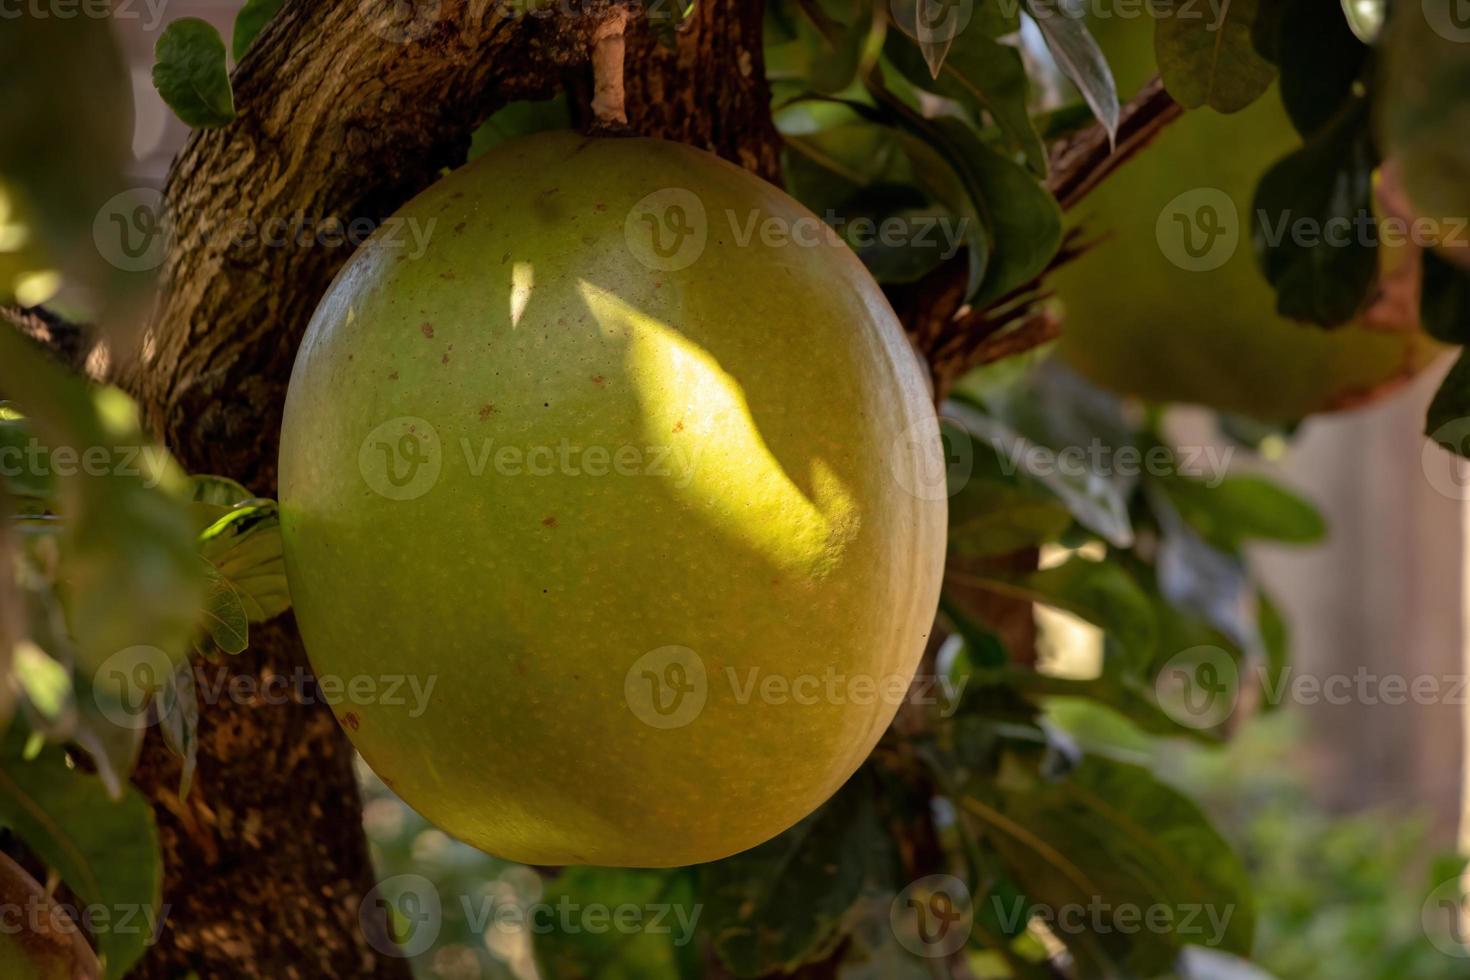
(346, 109)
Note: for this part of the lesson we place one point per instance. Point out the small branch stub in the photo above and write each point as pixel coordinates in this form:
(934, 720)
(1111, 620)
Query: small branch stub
(608, 47)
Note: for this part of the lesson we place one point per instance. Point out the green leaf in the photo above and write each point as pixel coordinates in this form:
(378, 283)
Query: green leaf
(189, 73)
(249, 22)
(1023, 219)
(214, 497)
(991, 517)
(224, 615)
(781, 904)
(1444, 304)
(1100, 592)
(1317, 78)
(1209, 61)
(178, 712)
(1244, 508)
(1423, 105)
(1130, 698)
(1309, 213)
(987, 78)
(1080, 59)
(106, 852)
(660, 944)
(1109, 837)
(1451, 404)
(244, 547)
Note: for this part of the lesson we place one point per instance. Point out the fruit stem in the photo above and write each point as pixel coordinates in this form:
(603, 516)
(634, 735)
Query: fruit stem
(607, 71)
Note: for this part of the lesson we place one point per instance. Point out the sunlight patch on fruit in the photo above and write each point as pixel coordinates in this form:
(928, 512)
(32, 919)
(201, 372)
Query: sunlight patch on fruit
(737, 482)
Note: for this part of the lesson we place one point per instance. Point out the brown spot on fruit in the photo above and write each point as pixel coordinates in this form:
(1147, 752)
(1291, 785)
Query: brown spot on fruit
(549, 521)
(446, 274)
(444, 359)
(392, 375)
(679, 426)
(350, 720)
(459, 228)
(486, 411)
(427, 329)
(599, 380)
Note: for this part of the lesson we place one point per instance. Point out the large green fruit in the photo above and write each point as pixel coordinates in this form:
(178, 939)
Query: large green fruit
(641, 485)
(1146, 318)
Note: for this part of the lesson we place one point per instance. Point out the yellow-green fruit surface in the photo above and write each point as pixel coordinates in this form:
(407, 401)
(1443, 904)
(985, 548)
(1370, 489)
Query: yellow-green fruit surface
(637, 471)
(1140, 321)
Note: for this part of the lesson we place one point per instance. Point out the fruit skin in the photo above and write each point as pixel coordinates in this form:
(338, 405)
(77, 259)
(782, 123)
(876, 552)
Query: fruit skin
(779, 421)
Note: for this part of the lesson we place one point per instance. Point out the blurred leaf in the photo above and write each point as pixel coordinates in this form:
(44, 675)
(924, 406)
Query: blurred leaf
(178, 712)
(781, 904)
(983, 649)
(989, 517)
(662, 947)
(244, 547)
(1308, 216)
(106, 852)
(1451, 404)
(1244, 508)
(1080, 59)
(189, 73)
(67, 127)
(1211, 61)
(1198, 578)
(131, 575)
(1100, 592)
(1109, 837)
(1317, 77)
(215, 496)
(1444, 305)
(249, 22)
(1423, 105)
(1133, 700)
